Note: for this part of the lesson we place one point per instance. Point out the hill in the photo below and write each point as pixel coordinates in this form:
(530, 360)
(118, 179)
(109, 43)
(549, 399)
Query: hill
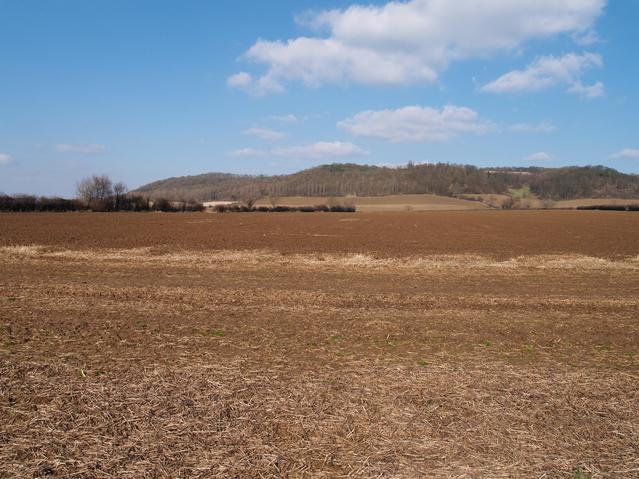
(567, 183)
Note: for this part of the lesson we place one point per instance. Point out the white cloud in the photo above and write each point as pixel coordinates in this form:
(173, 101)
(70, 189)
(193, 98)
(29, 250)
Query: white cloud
(631, 153)
(551, 71)
(595, 90)
(5, 159)
(412, 41)
(543, 127)
(248, 152)
(265, 134)
(240, 80)
(90, 149)
(587, 38)
(415, 123)
(314, 151)
(540, 157)
(290, 118)
(319, 150)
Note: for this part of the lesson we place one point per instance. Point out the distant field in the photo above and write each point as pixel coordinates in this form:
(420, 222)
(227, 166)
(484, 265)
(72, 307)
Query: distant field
(384, 203)
(594, 201)
(463, 344)
(399, 203)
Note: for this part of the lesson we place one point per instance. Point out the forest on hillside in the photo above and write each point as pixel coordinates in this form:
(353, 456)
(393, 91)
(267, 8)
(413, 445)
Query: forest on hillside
(362, 180)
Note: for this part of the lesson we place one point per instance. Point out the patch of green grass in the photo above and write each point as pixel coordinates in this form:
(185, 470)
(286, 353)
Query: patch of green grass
(423, 363)
(488, 344)
(216, 333)
(579, 473)
(520, 193)
(335, 337)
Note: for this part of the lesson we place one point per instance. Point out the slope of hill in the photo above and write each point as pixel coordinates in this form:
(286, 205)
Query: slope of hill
(422, 202)
(439, 179)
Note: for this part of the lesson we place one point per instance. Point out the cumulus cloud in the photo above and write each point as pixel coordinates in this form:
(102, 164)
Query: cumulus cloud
(549, 71)
(587, 38)
(631, 153)
(290, 118)
(248, 152)
(543, 127)
(540, 157)
(415, 124)
(595, 90)
(240, 80)
(321, 149)
(411, 41)
(88, 149)
(261, 86)
(4, 159)
(265, 134)
(315, 151)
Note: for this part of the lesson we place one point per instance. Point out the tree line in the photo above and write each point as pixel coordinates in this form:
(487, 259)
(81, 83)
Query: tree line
(96, 193)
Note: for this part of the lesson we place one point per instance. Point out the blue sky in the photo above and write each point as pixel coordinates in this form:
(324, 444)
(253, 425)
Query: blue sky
(146, 89)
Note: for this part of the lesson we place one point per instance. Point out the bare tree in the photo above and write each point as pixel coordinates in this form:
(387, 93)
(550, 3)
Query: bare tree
(96, 192)
(250, 196)
(274, 200)
(250, 200)
(119, 190)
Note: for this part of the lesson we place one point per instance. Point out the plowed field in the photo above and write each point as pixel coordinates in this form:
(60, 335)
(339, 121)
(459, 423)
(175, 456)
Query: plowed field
(453, 344)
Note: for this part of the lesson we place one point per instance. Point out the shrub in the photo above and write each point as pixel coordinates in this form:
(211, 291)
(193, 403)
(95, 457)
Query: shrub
(342, 209)
(26, 203)
(162, 204)
(604, 207)
(235, 208)
(134, 203)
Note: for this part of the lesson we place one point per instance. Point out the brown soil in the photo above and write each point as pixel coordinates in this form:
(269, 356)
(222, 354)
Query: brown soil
(253, 346)
(502, 234)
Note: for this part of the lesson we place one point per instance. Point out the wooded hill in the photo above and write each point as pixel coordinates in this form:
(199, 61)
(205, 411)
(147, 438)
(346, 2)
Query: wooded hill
(361, 180)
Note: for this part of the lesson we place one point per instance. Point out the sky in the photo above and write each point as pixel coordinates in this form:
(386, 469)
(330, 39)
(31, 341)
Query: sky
(147, 89)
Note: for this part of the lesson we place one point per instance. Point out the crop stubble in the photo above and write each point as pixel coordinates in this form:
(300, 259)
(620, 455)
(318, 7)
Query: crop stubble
(390, 345)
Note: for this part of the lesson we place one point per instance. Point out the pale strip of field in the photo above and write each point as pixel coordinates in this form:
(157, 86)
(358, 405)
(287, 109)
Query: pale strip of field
(163, 299)
(234, 259)
(383, 203)
(595, 201)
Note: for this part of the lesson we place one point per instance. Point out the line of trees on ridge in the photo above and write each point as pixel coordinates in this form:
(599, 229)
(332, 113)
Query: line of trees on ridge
(443, 179)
